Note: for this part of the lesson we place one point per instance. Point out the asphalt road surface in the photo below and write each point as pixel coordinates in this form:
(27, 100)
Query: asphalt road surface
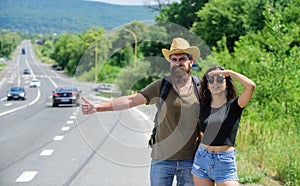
(45, 145)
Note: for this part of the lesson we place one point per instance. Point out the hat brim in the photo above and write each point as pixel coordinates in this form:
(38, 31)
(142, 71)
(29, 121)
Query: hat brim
(194, 51)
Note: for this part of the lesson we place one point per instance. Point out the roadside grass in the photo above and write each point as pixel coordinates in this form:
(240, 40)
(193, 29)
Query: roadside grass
(43, 58)
(268, 154)
(2, 65)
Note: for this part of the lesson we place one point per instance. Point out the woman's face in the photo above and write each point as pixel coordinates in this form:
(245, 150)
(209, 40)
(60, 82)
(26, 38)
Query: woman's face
(216, 82)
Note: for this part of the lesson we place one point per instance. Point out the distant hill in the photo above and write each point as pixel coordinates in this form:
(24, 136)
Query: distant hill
(75, 16)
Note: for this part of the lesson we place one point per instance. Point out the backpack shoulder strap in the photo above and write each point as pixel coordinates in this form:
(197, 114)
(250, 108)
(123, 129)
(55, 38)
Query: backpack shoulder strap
(163, 93)
(164, 88)
(197, 84)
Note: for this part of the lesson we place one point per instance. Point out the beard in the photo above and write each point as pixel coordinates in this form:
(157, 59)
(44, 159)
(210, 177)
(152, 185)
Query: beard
(179, 75)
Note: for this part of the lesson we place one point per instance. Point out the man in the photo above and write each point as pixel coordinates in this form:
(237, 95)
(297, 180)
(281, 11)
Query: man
(177, 134)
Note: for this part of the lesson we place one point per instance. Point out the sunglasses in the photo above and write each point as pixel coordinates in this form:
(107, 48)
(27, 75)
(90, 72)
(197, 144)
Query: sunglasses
(211, 79)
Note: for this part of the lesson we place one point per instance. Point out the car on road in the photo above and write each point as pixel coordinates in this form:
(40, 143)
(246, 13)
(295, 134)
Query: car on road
(23, 51)
(35, 83)
(16, 92)
(65, 95)
(57, 67)
(3, 59)
(26, 71)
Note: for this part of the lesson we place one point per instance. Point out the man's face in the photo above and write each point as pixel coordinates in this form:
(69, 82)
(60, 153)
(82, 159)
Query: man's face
(181, 60)
(180, 68)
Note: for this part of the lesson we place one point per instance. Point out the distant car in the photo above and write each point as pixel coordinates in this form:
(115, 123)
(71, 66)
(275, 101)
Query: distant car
(3, 59)
(26, 71)
(35, 83)
(23, 51)
(54, 66)
(65, 95)
(57, 67)
(16, 93)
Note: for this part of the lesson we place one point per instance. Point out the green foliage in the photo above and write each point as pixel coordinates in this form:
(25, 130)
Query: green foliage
(130, 77)
(68, 51)
(256, 19)
(182, 13)
(271, 58)
(8, 42)
(218, 18)
(108, 73)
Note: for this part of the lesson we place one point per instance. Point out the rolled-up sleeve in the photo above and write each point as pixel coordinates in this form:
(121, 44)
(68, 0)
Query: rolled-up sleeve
(151, 92)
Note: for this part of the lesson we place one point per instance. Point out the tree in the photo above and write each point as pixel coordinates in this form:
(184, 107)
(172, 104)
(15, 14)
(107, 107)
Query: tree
(222, 18)
(183, 13)
(158, 5)
(8, 42)
(68, 51)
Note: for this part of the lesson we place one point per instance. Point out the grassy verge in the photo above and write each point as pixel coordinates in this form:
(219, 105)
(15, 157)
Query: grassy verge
(268, 155)
(43, 58)
(2, 65)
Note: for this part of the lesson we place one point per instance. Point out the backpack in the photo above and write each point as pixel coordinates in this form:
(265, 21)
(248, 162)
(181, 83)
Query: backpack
(163, 93)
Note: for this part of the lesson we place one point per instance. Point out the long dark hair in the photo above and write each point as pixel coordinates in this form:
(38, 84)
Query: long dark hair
(205, 94)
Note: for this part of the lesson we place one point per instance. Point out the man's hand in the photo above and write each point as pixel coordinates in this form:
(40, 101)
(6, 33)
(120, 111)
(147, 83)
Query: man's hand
(87, 106)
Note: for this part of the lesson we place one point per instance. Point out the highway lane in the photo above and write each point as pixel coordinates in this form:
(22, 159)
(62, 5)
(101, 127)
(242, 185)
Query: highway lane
(42, 145)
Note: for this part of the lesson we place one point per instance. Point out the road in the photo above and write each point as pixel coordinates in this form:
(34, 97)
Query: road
(45, 145)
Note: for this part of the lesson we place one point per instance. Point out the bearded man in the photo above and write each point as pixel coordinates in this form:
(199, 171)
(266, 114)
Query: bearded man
(176, 134)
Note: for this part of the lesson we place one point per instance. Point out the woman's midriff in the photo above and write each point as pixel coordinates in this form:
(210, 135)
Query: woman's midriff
(217, 148)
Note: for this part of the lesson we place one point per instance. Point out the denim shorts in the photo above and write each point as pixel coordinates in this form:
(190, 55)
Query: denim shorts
(163, 172)
(215, 166)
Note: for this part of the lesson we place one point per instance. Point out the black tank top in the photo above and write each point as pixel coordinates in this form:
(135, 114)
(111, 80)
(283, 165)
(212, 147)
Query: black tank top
(220, 125)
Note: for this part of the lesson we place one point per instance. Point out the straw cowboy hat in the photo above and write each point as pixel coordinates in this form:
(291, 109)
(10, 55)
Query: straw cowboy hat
(180, 46)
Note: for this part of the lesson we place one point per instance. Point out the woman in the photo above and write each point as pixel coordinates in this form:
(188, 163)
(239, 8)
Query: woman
(221, 110)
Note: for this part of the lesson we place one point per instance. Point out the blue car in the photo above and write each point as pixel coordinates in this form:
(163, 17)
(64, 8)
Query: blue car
(26, 71)
(16, 93)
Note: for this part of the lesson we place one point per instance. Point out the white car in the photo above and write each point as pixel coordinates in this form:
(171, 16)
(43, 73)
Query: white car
(35, 83)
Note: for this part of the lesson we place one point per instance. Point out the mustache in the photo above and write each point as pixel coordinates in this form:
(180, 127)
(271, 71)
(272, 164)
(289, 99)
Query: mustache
(179, 75)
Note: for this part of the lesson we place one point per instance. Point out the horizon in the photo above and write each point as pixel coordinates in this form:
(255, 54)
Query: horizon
(130, 2)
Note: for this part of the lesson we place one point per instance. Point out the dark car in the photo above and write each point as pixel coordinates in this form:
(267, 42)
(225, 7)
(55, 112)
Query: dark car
(26, 71)
(57, 67)
(16, 93)
(23, 51)
(65, 95)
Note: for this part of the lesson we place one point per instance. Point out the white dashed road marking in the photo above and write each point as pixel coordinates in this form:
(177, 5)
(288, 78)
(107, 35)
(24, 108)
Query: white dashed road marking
(47, 152)
(70, 122)
(27, 176)
(65, 128)
(58, 138)
(73, 117)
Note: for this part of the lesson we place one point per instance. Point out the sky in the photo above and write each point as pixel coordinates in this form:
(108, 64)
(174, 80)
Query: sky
(129, 2)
